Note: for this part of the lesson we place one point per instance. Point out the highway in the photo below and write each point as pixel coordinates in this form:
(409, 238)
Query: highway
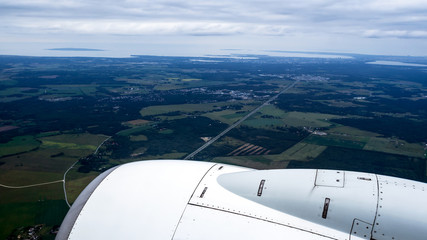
(191, 155)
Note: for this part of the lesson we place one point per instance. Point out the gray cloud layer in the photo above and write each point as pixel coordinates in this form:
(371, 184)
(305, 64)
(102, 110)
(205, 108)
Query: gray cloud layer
(399, 19)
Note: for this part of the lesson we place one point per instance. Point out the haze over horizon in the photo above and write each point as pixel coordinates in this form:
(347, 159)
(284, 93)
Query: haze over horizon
(195, 28)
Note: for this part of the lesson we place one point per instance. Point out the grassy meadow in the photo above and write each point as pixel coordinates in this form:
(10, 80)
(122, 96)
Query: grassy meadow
(39, 160)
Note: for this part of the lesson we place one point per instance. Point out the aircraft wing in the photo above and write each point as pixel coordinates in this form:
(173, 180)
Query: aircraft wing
(176, 199)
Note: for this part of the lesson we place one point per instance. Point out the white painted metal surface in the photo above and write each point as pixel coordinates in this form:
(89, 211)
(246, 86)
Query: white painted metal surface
(191, 200)
(294, 193)
(236, 193)
(329, 178)
(200, 223)
(142, 200)
(402, 209)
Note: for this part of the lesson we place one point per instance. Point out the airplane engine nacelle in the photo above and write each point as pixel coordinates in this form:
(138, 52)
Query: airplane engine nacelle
(176, 199)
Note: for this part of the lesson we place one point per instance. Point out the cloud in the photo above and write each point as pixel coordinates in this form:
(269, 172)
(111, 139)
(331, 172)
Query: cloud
(76, 49)
(219, 17)
(123, 27)
(395, 34)
(282, 20)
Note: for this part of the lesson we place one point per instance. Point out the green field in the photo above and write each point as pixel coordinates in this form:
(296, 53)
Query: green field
(83, 139)
(15, 215)
(59, 145)
(306, 119)
(31, 206)
(345, 130)
(274, 116)
(228, 141)
(299, 152)
(166, 131)
(133, 131)
(76, 186)
(184, 108)
(395, 146)
(42, 160)
(77, 181)
(165, 117)
(341, 114)
(338, 141)
(71, 90)
(19, 145)
(272, 110)
(47, 134)
(48, 162)
(136, 123)
(166, 87)
(344, 136)
(263, 123)
(137, 138)
(230, 116)
(14, 90)
(52, 191)
(13, 94)
(190, 79)
(233, 114)
(125, 89)
(17, 177)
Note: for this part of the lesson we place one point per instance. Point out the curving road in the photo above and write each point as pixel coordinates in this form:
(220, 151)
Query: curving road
(32, 185)
(63, 182)
(57, 181)
(96, 151)
(191, 155)
(65, 174)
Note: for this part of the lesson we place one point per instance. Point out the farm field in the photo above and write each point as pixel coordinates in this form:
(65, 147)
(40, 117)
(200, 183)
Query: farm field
(395, 146)
(19, 145)
(263, 123)
(46, 163)
(229, 116)
(183, 108)
(307, 119)
(340, 114)
(299, 152)
(338, 141)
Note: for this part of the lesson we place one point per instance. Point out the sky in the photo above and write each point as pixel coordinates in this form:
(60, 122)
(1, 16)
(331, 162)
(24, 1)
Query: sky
(197, 28)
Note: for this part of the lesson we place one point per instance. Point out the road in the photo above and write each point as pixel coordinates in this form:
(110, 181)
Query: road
(191, 155)
(65, 174)
(32, 185)
(63, 182)
(57, 181)
(96, 151)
